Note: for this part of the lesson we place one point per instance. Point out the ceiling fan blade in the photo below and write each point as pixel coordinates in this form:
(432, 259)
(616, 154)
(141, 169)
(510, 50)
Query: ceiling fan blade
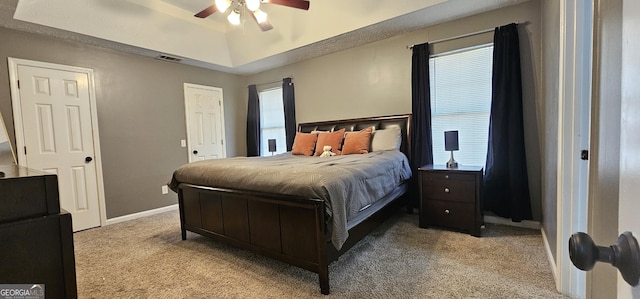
(300, 4)
(265, 25)
(206, 12)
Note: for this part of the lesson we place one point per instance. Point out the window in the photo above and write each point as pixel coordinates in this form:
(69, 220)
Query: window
(461, 100)
(272, 121)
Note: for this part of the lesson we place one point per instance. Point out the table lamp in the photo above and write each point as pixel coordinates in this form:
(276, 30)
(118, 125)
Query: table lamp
(451, 144)
(272, 146)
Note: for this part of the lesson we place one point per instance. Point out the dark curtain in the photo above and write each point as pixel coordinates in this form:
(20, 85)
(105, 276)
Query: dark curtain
(253, 123)
(289, 101)
(421, 140)
(505, 182)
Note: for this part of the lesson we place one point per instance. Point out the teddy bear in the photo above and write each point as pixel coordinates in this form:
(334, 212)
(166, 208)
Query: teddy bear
(327, 151)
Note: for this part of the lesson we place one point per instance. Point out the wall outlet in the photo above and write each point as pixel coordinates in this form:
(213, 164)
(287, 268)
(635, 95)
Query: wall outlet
(165, 189)
(183, 143)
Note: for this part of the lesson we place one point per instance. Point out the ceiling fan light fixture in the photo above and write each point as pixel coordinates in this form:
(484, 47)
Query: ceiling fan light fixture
(234, 17)
(260, 15)
(253, 5)
(240, 9)
(223, 5)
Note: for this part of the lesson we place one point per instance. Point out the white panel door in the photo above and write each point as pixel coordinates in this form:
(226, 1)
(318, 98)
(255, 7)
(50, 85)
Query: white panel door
(629, 203)
(58, 137)
(205, 122)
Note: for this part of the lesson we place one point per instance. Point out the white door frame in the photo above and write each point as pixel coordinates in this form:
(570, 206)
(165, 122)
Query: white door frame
(575, 77)
(17, 118)
(186, 116)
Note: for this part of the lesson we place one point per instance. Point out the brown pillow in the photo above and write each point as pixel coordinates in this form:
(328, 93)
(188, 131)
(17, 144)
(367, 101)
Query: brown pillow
(330, 138)
(357, 142)
(304, 143)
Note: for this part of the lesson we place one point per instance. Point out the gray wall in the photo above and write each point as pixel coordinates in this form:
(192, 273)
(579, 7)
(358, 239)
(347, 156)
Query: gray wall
(140, 106)
(549, 136)
(375, 79)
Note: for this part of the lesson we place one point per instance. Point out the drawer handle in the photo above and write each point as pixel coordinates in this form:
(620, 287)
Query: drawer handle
(446, 176)
(446, 190)
(447, 211)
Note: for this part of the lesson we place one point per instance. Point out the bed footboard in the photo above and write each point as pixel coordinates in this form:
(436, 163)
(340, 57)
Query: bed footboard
(287, 228)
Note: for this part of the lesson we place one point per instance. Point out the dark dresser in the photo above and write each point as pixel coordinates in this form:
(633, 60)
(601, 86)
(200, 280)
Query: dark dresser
(36, 235)
(451, 197)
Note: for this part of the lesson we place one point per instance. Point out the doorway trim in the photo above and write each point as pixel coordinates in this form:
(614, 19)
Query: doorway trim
(575, 63)
(17, 118)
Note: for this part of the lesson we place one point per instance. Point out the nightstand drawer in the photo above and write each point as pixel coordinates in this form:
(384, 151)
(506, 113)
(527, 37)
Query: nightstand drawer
(449, 214)
(449, 190)
(448, 175)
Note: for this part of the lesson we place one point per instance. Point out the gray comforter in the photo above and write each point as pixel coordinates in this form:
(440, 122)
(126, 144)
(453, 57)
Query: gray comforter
(345, 183)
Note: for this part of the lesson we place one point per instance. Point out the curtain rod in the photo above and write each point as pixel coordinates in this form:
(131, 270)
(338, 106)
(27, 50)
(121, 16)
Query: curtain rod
(265, 83)
(457, 37)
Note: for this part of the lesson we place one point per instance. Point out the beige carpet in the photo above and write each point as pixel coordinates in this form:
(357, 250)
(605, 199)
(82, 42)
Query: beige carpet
(145, 258)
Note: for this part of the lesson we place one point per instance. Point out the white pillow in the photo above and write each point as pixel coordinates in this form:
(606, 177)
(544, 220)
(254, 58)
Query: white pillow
(386, 139)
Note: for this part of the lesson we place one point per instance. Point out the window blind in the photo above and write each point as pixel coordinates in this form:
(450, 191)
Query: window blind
(272, 121)
(461, 100)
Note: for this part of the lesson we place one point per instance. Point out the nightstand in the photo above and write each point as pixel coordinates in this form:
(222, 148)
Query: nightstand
(451, 197)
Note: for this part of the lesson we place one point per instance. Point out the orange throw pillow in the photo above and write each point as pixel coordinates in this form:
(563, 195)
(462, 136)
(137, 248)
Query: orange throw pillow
(357, 142)
(330, 138)
(304, 143)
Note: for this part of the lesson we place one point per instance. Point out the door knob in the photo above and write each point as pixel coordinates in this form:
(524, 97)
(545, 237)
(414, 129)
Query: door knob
(624, 255)
(88, 159)
(195, 152)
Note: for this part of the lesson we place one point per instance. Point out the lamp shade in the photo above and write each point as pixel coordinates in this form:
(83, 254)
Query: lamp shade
(252, 5)
(260, 15)
(272, 145)
(234, 17)
(451, 140)
(222, 5)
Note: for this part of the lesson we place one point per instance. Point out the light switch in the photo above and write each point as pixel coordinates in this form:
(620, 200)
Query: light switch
(165, 189)
(183, 143)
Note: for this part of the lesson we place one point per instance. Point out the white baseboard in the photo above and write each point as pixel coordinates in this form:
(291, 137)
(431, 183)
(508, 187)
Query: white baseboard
(552, 262)
(504, 221)
(141, 214)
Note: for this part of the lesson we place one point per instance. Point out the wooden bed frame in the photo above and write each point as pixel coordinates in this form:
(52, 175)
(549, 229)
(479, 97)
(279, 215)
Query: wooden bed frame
(288, 228)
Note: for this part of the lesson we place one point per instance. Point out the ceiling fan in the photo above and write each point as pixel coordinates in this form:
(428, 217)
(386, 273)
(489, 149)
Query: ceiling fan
(252, 7)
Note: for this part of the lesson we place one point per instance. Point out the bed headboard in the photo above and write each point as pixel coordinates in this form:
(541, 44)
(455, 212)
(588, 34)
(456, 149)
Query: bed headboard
(355, 124)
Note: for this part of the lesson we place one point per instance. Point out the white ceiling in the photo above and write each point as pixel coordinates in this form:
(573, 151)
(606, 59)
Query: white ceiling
(168, 27)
